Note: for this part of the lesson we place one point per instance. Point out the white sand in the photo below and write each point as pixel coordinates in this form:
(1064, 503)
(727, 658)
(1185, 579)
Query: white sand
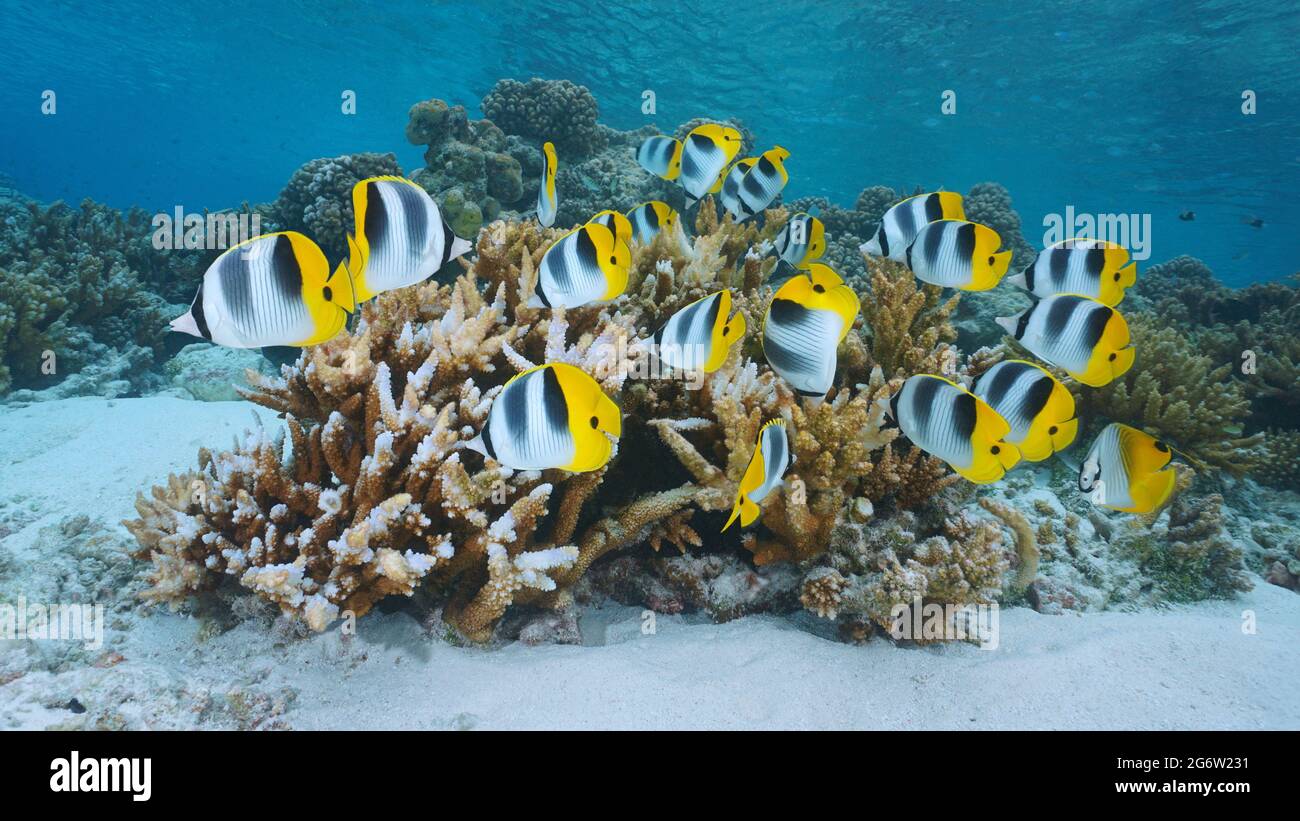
(1177, 668)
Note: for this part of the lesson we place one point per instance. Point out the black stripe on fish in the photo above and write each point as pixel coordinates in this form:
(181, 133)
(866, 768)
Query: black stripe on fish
(966, 242)
(376, 218)
(788, 313)
(1036, 397)
(1095, 261)
(286, 270)
(1058, 317)
(883, 240)
(906, 220)
(515, 409)
(1002, 382)
(933, 240)
(1095, 325)
(924, 393)
(715, 305)
(587, 250)
(963, 416)
(417, 222)
(1057, 262)
(553, 401)
(447, 239)
(651, 218)
(1023, 323)
(1029, 275)
(933, 208)
(196, 311)
(486, 436)
(236, 292)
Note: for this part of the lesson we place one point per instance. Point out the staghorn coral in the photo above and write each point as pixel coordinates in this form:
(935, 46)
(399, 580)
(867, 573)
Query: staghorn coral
(1180, 395)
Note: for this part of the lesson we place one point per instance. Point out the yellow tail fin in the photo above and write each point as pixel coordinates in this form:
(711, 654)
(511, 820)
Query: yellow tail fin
(745, 509)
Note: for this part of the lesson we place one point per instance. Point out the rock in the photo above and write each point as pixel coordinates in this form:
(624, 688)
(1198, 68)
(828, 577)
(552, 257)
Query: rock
(209, 373)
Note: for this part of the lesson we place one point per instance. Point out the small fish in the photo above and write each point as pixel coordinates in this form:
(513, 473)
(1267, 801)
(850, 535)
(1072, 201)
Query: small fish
(649, 218)
(706, 153)
(1039, 409)
(1089, 267)
(272, 290)
(947, 421)
(807, 320)
(661, 156)
(401, 237)
(588, 264)
(769, 463)
(801, 240)
(729, 196)
(550, 416)
(616, 222)
(547, 201)
(1187, 216)
(1083, 337)
(958, 254)
(1253, 222)
(1126, 470)
(900, 224)
(699, 336)
(763, 182)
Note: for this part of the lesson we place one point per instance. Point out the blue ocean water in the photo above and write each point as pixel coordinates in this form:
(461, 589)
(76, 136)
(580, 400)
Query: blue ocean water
(1109, 106)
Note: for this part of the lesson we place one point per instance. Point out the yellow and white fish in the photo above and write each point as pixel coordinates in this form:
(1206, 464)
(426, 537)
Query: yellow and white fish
(699, 336)
(900, 224)
(272, 290)
(1039, 409)
(807, 320)
(764, 180)
(729, 194)
(1126, 469)
(801, 240)
(706, 153)
(401, 237)
(661, 156)
(1081, 336)
(551, 416)
(649, 218)
(767, 466)
(947, 421)
(616, 222)
(958, 254)
(1094, 268)
(588, 264)
(548, 201)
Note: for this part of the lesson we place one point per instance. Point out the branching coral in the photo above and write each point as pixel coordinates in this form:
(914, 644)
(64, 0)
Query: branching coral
(1180, 395)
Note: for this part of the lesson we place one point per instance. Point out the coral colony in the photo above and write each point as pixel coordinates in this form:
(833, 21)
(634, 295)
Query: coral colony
(381, 482)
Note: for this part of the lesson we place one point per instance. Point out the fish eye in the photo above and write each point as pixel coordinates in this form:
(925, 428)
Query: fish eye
(990, 260)
(1117, 277)
(819, 288)
(1113, 357)
(595, 423)
(614, 260)
(329, 295)
(995, 450)
(1053, 430)
(725, 330)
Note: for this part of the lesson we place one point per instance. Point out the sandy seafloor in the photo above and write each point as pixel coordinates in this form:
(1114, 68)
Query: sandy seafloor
(1181, 667)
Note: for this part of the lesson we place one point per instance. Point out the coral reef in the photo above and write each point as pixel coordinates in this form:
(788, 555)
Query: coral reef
(73, 298)
(317, 199)
(1180, 395)
(555, 110)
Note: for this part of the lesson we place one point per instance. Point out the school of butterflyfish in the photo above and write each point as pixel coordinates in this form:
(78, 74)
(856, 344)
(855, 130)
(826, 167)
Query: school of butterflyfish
(277, 289)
